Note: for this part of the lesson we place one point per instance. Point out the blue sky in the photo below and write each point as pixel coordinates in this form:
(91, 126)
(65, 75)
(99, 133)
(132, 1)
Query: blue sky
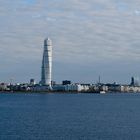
(90, 38)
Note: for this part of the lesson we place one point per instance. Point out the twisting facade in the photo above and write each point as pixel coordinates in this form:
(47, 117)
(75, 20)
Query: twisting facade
(46, 74)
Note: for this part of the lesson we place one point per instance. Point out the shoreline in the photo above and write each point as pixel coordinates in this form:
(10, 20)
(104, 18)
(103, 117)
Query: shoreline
(62, 92)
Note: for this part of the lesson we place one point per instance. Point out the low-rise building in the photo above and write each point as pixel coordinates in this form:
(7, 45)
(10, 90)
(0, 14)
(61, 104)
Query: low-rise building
(4, 87)
(76, 87)
(71, 88)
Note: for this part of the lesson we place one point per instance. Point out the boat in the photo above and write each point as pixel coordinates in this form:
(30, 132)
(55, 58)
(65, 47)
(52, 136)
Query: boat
(102, 92)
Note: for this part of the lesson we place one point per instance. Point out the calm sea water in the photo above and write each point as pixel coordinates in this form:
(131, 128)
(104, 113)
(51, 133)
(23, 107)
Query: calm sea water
(69, 117)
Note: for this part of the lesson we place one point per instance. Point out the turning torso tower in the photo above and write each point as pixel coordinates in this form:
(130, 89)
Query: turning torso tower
(46, 75)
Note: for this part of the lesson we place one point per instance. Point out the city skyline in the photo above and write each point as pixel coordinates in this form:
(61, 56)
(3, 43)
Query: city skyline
(90, 38)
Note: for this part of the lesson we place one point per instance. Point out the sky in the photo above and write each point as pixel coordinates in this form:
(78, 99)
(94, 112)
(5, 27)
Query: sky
(90, 38)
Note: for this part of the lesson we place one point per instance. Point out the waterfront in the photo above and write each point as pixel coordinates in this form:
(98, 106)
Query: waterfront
(69, 116)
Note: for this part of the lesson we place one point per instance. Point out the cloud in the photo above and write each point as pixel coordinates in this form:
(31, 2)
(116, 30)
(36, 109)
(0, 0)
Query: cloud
(84, 33)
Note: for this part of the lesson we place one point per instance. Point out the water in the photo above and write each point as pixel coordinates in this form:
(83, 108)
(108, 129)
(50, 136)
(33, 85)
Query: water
(69, 117)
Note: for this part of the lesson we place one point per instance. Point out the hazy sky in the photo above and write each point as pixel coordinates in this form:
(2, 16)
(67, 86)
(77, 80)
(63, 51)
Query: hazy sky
(90, 38)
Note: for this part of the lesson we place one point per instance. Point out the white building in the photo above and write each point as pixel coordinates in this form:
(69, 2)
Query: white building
(46, 74)
(71, 88)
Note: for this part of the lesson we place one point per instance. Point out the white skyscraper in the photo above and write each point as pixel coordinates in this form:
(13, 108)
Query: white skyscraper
(46, 75)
